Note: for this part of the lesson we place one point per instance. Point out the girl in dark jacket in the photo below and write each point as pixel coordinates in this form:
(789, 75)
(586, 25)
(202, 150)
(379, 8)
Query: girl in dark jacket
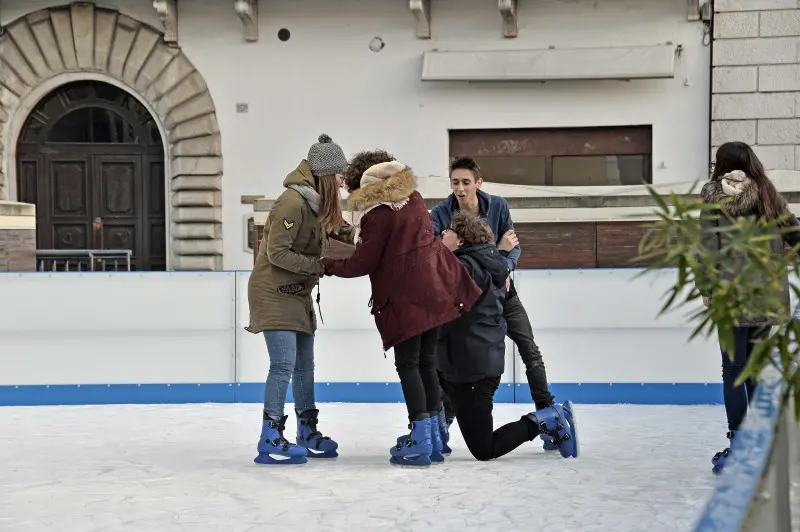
(740, 186)
(471, 354)
(417, 286)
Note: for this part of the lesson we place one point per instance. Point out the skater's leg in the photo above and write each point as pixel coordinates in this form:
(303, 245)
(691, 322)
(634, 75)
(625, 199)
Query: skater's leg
(416, 448)
(273, 448)
(433, 392)
(754, 334)
(428, 373)
(308, 435)
(406, 361)
(447, 403)
(521, 333)
(735, 396)
(303, 379)
(474, 403)
(282, 349)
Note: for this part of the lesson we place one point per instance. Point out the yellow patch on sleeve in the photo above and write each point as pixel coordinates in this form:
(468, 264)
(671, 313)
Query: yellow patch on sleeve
(287, 224)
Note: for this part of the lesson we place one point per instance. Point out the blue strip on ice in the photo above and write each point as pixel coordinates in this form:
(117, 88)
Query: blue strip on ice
(346, 392)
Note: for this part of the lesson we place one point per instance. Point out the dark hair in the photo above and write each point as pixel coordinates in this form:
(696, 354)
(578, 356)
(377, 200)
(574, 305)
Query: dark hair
(360, 163)
(330, 214)
(466, 163)
(471, 229)
(739, 156)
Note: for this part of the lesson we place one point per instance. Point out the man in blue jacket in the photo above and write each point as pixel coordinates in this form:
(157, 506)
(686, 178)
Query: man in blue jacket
(465, 182)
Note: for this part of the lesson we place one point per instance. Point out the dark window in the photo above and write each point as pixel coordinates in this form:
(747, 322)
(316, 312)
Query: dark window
(94, 125)
(595, 156)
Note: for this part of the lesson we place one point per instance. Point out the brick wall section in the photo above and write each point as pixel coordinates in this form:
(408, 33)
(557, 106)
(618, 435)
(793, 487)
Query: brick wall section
(756, 78)
(17, 250)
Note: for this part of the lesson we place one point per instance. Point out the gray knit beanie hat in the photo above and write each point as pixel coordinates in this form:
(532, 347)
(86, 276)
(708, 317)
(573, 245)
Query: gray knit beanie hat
(326, 157)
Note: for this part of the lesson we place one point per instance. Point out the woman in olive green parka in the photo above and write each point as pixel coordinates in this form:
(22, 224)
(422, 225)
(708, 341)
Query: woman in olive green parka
(279, 293)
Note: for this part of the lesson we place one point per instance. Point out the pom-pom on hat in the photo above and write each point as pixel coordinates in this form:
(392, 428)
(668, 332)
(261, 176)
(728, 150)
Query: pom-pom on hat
(326, 157)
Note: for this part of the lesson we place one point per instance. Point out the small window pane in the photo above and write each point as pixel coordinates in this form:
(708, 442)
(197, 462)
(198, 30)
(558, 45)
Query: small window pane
(93, 124)
(513, 170)
(74, 127)
(600, 170)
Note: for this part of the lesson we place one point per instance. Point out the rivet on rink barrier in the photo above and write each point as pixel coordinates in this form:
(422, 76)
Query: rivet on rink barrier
(168, 385)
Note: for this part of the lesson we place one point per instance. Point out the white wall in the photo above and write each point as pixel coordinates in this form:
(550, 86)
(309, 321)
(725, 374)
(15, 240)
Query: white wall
(596, 326)
(325, 79)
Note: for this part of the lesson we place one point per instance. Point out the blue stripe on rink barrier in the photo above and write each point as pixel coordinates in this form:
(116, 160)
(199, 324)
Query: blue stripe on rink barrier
(346, 392)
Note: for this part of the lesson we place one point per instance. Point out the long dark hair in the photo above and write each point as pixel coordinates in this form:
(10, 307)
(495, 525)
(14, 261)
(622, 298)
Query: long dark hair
(733, 156)
(330, 215)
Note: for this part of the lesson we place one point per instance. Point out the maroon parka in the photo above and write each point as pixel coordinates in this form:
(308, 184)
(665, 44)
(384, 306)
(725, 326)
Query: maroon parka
(417, 283)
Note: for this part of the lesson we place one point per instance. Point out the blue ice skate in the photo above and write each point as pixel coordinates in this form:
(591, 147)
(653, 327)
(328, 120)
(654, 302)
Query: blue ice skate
(549, 444)
(718, 462)
(317, 445)
(444, 433)
(273, 448)
(436, 440)
(416, 449)
(558, 423)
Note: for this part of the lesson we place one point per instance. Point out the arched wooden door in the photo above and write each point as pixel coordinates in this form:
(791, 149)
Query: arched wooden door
(91, 158)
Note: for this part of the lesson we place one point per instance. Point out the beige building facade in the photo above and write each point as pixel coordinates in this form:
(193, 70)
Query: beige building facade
(152, 126)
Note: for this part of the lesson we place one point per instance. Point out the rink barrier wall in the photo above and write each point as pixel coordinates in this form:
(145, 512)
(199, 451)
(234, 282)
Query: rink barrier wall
(142, 337)
(346, 392)
(754, 493)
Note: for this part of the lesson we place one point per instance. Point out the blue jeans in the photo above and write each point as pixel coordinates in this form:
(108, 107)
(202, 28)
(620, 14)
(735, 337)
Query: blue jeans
(291, 359)
(737, 398)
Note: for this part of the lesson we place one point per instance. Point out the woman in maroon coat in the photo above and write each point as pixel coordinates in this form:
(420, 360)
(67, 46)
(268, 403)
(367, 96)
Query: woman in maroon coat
(418, 285)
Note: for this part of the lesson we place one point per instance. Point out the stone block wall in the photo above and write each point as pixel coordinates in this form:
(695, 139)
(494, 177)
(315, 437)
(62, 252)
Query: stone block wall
(756, 78)
(17, 237)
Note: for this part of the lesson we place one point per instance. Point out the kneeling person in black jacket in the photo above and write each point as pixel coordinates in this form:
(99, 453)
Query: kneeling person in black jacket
(471, 354)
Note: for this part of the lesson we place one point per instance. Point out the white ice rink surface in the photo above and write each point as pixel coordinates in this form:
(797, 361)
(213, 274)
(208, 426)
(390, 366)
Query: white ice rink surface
(190, 468)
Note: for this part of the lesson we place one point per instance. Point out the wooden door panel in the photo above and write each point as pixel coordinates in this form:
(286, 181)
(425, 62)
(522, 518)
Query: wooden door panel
(118, 189)
(70, 190)
(154, 183)
(155, 230)
(120, 235)
(119, 203)
(70, 235)
(158, 246)
(27, 174)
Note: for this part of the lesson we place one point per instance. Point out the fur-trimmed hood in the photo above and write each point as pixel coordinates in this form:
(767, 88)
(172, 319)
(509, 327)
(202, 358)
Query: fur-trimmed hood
(383, 184)
(735, 192)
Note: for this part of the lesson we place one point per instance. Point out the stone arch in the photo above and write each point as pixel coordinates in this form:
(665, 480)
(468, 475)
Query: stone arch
(47, 48)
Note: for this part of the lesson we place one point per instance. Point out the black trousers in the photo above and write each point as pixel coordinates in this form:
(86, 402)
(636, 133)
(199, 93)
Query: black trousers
(737, 398)
(473, 404)
(415, 361)
(521, 333)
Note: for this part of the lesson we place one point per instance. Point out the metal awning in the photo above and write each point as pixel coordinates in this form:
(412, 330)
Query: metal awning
(609, 63)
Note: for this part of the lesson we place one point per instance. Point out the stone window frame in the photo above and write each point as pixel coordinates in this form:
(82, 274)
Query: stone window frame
(39, 52)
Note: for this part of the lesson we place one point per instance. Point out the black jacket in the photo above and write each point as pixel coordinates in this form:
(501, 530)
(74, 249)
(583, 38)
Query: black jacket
(472, 347)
